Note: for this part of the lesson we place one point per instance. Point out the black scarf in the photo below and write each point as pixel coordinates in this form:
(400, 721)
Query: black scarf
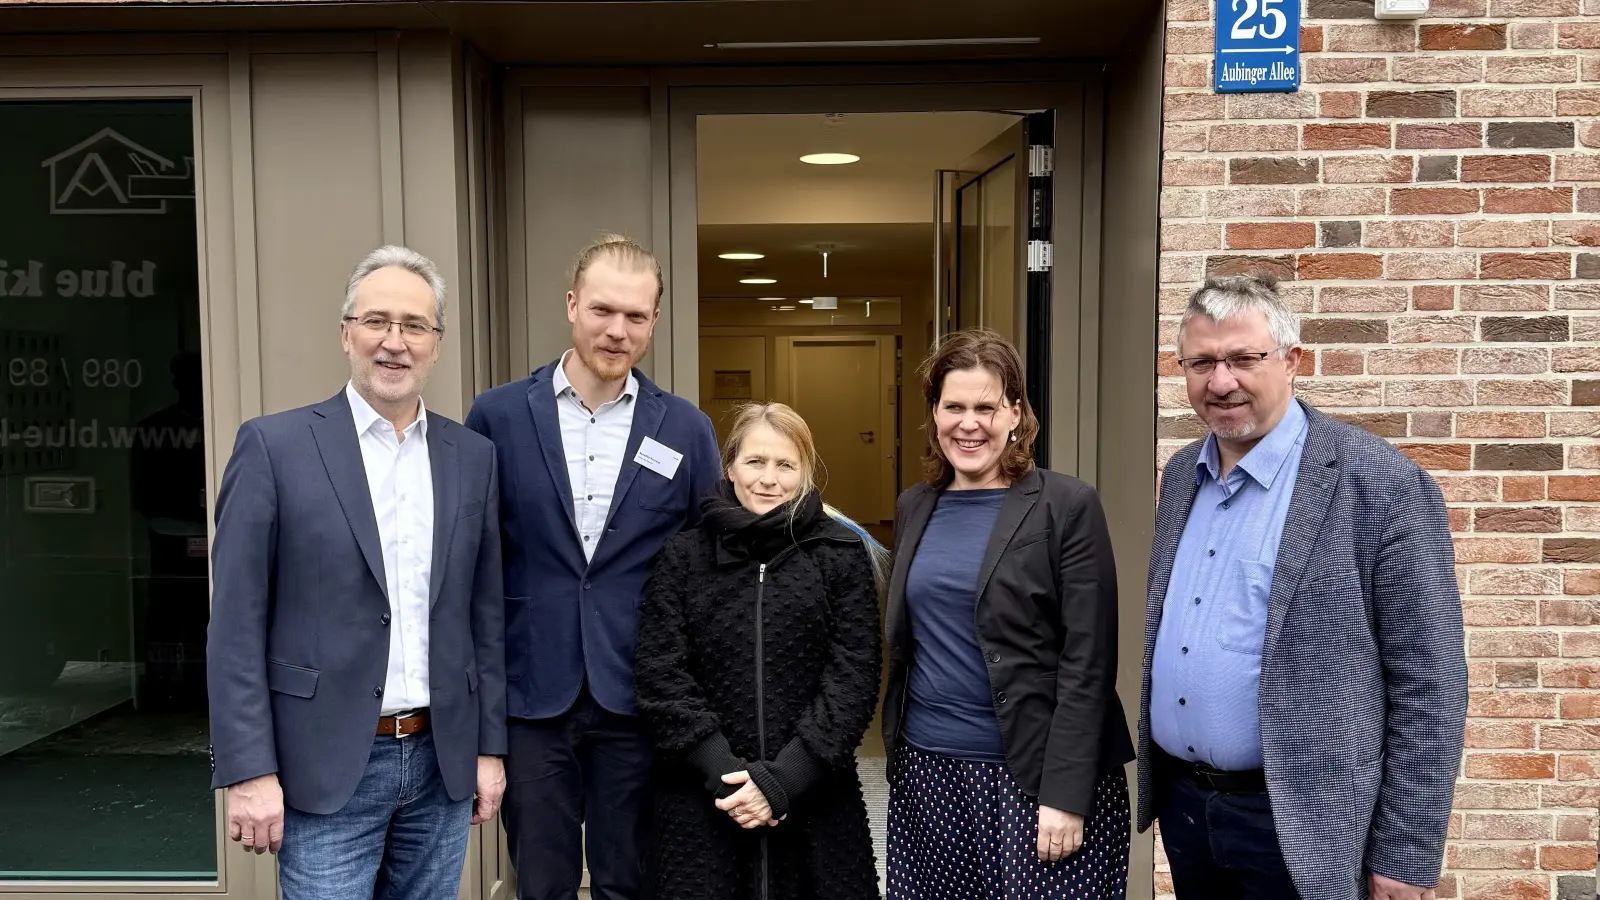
(742, 535)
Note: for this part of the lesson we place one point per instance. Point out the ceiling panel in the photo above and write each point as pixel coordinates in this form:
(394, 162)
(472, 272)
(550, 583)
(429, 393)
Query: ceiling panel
(867, 260)
(650, 33)
(750, 170)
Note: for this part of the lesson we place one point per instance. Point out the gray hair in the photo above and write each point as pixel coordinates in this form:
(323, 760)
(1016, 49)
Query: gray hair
(1226, 297)
(400, 258)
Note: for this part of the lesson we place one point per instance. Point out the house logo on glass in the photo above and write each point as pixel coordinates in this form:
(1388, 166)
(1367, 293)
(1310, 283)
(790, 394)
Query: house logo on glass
(108, 174)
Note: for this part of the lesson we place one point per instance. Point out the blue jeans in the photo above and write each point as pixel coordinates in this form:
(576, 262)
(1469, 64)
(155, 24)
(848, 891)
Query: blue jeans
(1222, 845)
(400, 837)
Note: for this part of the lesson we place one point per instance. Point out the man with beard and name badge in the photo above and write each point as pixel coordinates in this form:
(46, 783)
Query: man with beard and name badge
(356, 659)
(1305, 682)
(599, 467)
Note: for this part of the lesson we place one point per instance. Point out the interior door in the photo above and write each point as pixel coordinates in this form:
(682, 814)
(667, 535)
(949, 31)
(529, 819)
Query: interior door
(844, 388)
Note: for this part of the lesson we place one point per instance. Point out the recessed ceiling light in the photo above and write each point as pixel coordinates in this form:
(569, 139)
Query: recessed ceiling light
(807, 300)
(772, 299)
(830, 159)
(758, 281)
(783, 308)
(741, 256)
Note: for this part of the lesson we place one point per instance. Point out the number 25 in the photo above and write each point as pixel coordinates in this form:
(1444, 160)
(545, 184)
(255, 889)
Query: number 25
(1274, 17)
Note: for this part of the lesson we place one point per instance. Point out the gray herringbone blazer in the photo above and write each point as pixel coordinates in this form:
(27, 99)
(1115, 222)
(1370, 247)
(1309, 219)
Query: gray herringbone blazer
(1363, 672)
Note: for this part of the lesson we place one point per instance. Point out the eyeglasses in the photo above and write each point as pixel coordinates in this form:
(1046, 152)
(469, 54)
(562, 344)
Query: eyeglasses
(408, 329)
(1237, 362)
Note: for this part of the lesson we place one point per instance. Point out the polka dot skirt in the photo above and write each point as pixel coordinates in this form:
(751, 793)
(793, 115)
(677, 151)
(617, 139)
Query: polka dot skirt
(963, 830)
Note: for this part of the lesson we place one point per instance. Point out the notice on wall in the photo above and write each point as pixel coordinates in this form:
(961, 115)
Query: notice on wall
(1258, 46)
(731, 384)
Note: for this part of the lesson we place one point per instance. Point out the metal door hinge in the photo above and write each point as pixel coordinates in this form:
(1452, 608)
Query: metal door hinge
(1039, 256)
(1041, 160)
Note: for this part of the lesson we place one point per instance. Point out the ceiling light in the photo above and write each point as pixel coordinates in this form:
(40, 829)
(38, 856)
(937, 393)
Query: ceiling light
(783, 308)
(773, 299)
(903, 42)
(830, 159)
(758, 281)
(741, 256)
(825, 303)
(807, 300)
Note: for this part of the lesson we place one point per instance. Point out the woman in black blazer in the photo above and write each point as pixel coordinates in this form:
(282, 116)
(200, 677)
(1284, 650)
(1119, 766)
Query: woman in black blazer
(1005, 736)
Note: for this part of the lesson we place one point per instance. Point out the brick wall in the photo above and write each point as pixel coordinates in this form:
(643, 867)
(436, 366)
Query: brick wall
(1432, 199)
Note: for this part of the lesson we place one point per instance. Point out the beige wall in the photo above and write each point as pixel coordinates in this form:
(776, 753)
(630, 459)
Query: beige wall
(354, 145)
(580, 165)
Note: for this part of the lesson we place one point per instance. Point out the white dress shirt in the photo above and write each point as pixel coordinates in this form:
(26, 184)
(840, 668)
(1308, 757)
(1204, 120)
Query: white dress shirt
(595, 443)
(400, 480)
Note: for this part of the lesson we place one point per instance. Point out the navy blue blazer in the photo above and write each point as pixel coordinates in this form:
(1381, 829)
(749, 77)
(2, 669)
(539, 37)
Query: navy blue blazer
(298, 647)
(568, 618)
(1363, 672)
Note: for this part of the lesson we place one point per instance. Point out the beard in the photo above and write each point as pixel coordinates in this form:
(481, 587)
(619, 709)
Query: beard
(607, 368)
(369, 379)
(1235, 430)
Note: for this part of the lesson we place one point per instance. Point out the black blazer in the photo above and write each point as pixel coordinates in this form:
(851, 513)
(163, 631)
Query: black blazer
(1047, 626)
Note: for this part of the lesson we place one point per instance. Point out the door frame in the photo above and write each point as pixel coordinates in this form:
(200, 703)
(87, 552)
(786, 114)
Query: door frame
(1067, 88)
(675, 96)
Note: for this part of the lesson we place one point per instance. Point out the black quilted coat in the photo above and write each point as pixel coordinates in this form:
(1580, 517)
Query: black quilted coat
(759, 649)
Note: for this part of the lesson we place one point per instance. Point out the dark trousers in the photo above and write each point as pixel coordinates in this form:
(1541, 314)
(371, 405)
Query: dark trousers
(1221, 845)
(577, 782)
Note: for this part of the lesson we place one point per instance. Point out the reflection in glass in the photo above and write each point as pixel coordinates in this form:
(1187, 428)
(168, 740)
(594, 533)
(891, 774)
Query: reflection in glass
(986, 251)
(103, 567)
(1000, 248)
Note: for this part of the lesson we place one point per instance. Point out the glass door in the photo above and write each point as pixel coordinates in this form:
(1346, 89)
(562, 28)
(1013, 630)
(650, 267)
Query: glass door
(993, 219)
(988, 236)
(104, 774)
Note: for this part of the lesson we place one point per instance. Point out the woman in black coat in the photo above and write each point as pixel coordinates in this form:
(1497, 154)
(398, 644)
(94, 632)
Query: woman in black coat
(1005, 736)
(757, 666)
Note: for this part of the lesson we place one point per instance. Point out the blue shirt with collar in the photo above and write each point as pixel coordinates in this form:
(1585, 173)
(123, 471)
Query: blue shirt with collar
(1206, 672)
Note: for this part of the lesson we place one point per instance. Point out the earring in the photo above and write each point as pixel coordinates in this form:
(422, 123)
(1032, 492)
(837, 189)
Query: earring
(1013, 436)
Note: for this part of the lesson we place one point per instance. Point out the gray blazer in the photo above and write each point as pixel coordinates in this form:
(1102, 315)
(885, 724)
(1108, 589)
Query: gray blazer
(1363, 672)
(298, 647)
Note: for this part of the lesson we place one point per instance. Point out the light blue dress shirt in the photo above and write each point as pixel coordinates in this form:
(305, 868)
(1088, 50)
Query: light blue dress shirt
(1206, 672)
(595, 443)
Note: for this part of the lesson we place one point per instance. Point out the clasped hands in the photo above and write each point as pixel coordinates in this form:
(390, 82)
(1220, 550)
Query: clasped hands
(748, 806)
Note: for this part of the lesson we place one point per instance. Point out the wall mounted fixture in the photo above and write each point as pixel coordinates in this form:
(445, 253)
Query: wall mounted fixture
(1399, 9)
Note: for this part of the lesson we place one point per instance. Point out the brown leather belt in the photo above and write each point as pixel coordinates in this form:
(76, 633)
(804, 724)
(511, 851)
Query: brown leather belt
(403, 725)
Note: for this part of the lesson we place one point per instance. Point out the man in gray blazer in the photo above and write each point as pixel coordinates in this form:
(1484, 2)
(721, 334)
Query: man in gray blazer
(356, 655)
(1305, 681)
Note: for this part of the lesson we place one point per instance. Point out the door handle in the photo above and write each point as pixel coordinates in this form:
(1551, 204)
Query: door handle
(867, 437)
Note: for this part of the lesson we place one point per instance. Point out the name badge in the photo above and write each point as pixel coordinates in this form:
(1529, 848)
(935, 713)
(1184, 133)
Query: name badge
(658, 458)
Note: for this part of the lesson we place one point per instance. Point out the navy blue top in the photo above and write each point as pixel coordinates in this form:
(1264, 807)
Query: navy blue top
(949, 710)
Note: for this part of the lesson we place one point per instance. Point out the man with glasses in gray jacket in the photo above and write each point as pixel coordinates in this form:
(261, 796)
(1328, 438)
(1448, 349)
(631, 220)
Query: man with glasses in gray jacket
(1305, 681)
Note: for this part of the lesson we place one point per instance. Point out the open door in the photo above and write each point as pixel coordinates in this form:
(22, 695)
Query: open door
(993, 253)
(982, 225)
